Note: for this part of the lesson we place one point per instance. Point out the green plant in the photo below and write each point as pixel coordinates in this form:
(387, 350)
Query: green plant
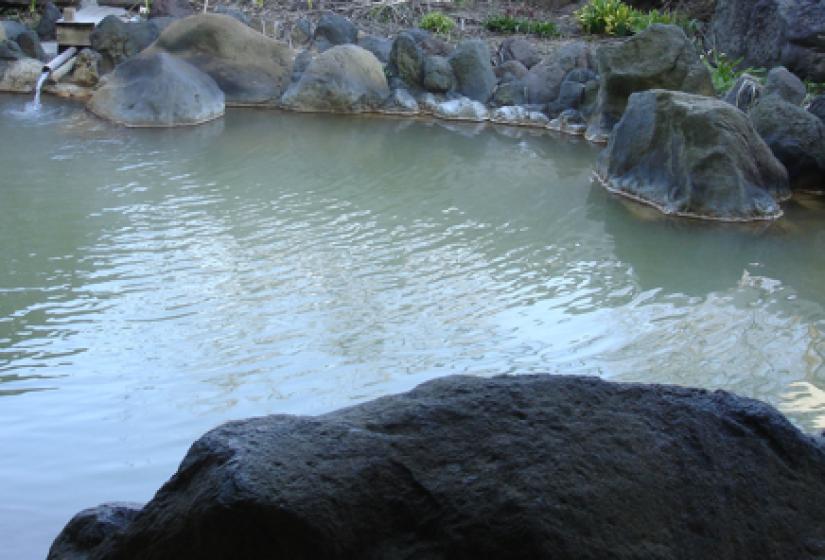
(436, 22)
(614, 17)
(509, 24)
(724, 71)
(597, 15)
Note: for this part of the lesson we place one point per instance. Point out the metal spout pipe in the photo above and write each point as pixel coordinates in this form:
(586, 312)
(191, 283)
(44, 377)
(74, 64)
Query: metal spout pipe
(59, 60)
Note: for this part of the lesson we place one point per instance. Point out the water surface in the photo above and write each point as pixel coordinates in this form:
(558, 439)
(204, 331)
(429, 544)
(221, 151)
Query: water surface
(154, 283)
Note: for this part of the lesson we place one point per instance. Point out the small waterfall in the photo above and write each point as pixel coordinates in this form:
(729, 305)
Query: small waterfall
(40, 81)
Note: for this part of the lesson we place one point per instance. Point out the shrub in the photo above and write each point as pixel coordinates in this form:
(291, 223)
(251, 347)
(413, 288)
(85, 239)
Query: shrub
(436, 22)
(614, 17)
(509, 24)
(724, 72)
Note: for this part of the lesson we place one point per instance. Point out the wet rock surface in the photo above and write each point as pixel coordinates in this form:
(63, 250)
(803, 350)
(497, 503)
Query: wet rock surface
(796, 137)
(345, 79)
(157, 89)
(694, 156)
(249, 68)
(90, 527)
(511, 467)
(659, 57)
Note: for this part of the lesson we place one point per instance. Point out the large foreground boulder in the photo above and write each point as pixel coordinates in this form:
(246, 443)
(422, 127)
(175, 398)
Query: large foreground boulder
(157, 89)
(796, 137)
(343, 79)
(768, 33)
(507, 468)
(250, 68)
(661, 56)
(693, 156)
(118, 41)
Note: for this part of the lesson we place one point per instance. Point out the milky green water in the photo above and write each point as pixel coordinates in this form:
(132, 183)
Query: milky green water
(155, 283)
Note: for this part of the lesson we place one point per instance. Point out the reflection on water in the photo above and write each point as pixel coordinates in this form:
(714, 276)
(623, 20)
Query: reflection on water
(156, 283)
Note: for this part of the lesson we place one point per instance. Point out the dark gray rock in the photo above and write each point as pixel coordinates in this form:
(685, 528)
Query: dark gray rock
(301, 63)
(796, 137)
(89, 528)
(509, 94)
(783, 83)
(301, 32)
(378, 46)
(118, 41)
(86, 71)
(438, 74)
(510, 71)
(407, 60)
(520, 50)
(693, 156)
(333, 29)
(661, 56)
(30, 45)
(555, 467)
(345, 79)
(545, 78)
(10, 50)
(11, 29)
(430, 44)
(170, 8)
(576, 92)
(473, 71)
(745, 92)
(157, 89)
(817, 107)
(250, 68)
(768, 33)
(45, 26)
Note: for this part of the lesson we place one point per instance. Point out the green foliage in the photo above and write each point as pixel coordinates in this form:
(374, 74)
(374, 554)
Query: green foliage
(436, 22)
(509, 24)
(614, 17)
(724, 71)
(814, 88)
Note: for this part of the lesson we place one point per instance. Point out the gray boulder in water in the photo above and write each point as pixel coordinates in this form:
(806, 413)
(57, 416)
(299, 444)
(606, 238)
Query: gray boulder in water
(694, 156)
(344, 79)
(796, 137)
(507, 468)
(250, 68)
(661, 56)
(157, 89)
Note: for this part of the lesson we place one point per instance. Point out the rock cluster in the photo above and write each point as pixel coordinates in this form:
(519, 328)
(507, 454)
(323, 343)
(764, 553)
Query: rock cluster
(579, 87)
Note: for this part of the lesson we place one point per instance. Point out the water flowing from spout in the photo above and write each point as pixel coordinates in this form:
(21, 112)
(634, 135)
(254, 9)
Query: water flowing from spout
(37, 89)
